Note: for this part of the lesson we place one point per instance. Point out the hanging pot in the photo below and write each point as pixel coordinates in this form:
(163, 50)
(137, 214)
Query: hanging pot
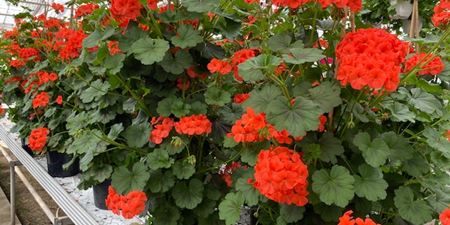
(55, 162)
(100, 194)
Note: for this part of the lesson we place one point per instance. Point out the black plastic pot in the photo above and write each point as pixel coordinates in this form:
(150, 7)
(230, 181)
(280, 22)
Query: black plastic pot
(55, 162)
(100, 194)
(26, 148)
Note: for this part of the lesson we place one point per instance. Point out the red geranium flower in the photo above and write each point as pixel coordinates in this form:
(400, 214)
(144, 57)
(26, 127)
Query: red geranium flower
(128, 205)
(227, 171)
(161, 129)
(281, 176)
(441, 14)
(444, 217)
(194, 125)
(58, 7)
(240, 98)
(85, 9)
(41, 100)
(59, 100)
(347, 219)
(370, 58)
(217, 65)
(38, 139)
(293, 4)
(323, 122)
(125, 10)
(433, 67)
(113, 47)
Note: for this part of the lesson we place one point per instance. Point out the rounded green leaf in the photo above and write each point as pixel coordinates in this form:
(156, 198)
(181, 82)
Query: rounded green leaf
(334, 187)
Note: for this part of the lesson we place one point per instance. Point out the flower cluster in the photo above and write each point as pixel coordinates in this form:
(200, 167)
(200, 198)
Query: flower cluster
(59, 100)
(41, 100)
(252, 127)
(240, 57)
(240, 98)
(323, 122)
(385, 51)
(220, 66)
(161, 129)
(124, 11)
(128, 205)
(347, 219)
(85, 9)
(38, 139)
(353, 5)
(441, 15)
(113, 47)
(293, 4)
(194, 125)
(45, 77)
(433, 66)
(57, 7)
(281, 176)
(444, 217)
(69, 43)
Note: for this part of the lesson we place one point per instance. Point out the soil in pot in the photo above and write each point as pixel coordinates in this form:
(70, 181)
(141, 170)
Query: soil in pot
(100, 194)
(55, 162)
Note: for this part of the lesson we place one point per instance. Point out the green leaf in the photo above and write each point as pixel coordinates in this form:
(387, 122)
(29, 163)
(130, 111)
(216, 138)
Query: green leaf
(400, 148)
(370, 184)
(416, 166)
(96, 90)
(415, 211)
(291, 213)
(161, 182)
(149, 51)
(279, 43)
(298, 118)
(176, 64)
(326, 95)
(186, 37)
(159, 159)
(303, 55)
(374, 152)
(115, 130)
(229, 142)
(230, 208)
(252, 70)
(114, 63)
(334, 187)
(182, 169)
(173, 105)
(137, 134)
(201, 6)
(92, 40)
(124, 180)
(250, 194)
(437, 141)
(217, 96)
(188, 196)
(330, 147)
(249, 156)
(264, 100)
(165, 214)
(424, 101)
(400, 112)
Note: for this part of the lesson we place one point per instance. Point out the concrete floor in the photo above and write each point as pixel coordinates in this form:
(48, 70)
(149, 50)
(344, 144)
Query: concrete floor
(5, 210)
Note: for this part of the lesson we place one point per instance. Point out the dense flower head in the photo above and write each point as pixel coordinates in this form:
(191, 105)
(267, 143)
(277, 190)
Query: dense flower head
(240, 98)
(26, 53)
(85, 9)
(253, 127)
(41, 100)
(69, 43)
(45, 77)
(219, 66)
(123, 11)
(441, 15)
(444, 217)
(353, 5)
(385, 51)
(161, 129)
(194, 125)
(38, 139)
(347, 219)
(323, 122)
(152, 4)
(293, 4)
(281, 176)
(434, 65)
(57, 7)
(129, 205)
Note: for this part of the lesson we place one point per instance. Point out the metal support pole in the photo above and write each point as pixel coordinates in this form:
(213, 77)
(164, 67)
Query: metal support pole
(12, 193)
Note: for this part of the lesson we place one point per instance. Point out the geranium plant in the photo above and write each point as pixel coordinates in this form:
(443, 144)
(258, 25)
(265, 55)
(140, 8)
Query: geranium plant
(301, 110)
